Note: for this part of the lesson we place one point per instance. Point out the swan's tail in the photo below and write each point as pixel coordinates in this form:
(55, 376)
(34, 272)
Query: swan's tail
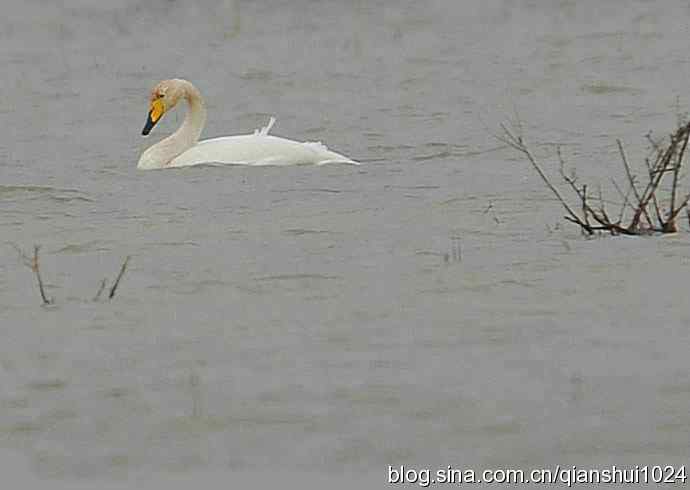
(326, 155)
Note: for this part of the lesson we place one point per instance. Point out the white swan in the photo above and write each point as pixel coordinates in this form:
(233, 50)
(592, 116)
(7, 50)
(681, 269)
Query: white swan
(183, 148)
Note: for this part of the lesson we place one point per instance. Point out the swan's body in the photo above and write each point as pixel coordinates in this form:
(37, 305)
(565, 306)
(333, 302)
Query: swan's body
(183, 148)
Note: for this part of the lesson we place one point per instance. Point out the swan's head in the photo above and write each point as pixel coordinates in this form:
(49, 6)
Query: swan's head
(164, 97)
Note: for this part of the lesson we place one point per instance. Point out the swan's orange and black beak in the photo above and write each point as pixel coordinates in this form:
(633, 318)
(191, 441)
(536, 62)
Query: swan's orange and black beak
(156, 111)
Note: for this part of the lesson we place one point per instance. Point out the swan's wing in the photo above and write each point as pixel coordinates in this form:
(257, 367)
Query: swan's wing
(263, 131)
(258, 149)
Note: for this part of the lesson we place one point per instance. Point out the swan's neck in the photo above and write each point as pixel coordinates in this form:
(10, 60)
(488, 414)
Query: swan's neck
(195, 119)
(186, 136)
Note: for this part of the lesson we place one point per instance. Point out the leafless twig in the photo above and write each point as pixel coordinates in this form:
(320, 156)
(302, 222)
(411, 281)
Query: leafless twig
(515, 141)
(490, 207)
(119, 277)
(34, 264)
(668, 160)
(101, 288)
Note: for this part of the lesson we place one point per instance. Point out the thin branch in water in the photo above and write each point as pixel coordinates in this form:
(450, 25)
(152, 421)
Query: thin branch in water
(37, 270)
(584, 204)
(656, 146)
(639, 197)
(119, 277)
(34, 264)
(101, 288)
(518, 121)
(602, 206)
(517, 143)
(490, 207)
(683, 204)
(659, 170)
(626, 201)
(676, 172)
(642, 207)
(26, 260)
(655, 201)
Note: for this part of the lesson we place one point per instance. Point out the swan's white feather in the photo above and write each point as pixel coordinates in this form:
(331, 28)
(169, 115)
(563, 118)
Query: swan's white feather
(257, 149)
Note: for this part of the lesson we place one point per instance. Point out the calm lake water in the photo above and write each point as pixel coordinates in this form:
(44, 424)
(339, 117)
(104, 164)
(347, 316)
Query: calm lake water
(428, 308)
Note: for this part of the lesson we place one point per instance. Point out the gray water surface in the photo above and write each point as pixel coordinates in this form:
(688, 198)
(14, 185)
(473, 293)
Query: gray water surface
(427, 308)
